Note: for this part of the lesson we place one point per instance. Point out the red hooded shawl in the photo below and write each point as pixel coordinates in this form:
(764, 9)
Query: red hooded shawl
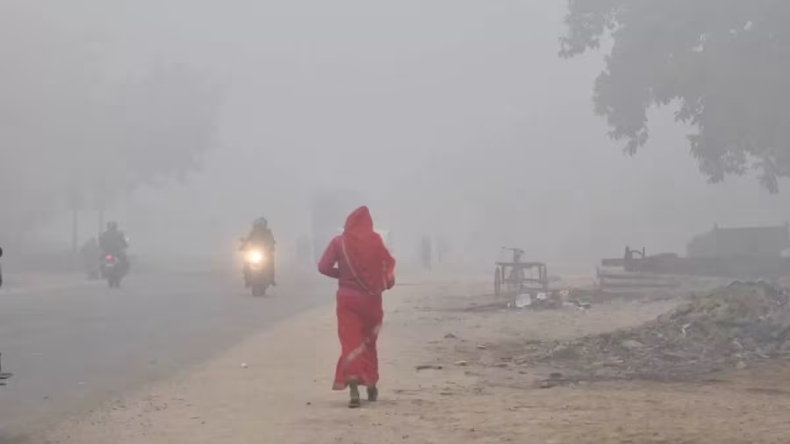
(368, 258)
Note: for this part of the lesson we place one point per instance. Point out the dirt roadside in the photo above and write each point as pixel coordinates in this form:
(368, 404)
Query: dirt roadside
(471, 393)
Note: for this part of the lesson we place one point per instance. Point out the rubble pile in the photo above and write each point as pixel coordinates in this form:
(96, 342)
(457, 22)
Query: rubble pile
(731, 327)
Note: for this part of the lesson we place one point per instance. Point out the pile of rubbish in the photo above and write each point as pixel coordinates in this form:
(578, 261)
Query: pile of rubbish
(732, 327)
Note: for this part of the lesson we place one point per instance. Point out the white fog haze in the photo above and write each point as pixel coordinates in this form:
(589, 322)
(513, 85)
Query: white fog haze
(403, 221)
(454, 117)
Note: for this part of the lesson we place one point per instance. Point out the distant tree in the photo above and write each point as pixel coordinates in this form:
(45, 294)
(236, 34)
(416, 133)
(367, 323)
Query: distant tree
(152, 130)
(39, 83)
(68, 141)
(724, 63)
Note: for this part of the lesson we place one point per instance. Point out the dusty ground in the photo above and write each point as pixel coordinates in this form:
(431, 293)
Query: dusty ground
(477, 396)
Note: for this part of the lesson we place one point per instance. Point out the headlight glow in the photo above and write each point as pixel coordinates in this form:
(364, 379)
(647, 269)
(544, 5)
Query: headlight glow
(255, 257)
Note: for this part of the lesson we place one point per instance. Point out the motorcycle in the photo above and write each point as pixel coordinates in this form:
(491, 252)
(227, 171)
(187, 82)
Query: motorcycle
(257, 271)
(113, 270)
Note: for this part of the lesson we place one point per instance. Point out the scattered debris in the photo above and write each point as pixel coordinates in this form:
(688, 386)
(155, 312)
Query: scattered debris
(577, 304)
(428, 367)
(555, 380)
(686, 326)
(632, 344)
(537, 300)
(554, 300)
(541, 300)
(523, 300)
(731, 327)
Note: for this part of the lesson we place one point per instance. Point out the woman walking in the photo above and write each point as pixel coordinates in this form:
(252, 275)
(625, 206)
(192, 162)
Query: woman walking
(364, 269)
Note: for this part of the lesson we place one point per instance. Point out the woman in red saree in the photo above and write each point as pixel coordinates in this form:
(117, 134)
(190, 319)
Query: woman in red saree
(364, 269)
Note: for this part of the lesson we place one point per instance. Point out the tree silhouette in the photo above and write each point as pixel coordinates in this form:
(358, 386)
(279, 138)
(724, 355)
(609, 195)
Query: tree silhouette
(724, 63)
(68, 140)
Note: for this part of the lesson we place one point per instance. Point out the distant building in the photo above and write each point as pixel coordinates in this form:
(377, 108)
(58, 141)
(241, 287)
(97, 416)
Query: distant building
(741, 242)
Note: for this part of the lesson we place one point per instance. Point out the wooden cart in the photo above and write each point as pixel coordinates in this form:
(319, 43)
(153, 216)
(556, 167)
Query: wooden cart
(518, 277)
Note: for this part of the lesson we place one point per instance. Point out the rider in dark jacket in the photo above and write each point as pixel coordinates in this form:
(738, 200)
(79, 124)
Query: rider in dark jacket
(261, 236)
(113, 242)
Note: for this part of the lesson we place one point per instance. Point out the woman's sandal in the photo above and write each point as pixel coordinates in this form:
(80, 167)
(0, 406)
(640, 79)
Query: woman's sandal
(355, 401)
(373, 394)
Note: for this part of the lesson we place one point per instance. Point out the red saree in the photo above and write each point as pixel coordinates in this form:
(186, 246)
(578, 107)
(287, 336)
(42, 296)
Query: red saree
(364, 269)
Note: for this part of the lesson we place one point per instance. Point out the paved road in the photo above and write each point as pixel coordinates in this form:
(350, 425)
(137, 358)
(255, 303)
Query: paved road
(74, 346)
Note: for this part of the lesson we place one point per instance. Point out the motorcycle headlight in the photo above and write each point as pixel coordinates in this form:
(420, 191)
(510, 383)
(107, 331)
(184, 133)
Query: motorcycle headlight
(255, 257)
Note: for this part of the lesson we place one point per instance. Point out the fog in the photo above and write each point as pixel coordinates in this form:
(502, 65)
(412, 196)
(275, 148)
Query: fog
(453, 118)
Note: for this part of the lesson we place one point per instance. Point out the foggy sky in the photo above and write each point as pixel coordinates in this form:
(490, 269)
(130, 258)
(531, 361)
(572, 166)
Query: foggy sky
(451, 116)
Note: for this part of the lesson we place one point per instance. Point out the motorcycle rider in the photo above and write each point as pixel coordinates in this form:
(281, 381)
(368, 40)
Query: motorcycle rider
(261, 236)
(113, 242)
